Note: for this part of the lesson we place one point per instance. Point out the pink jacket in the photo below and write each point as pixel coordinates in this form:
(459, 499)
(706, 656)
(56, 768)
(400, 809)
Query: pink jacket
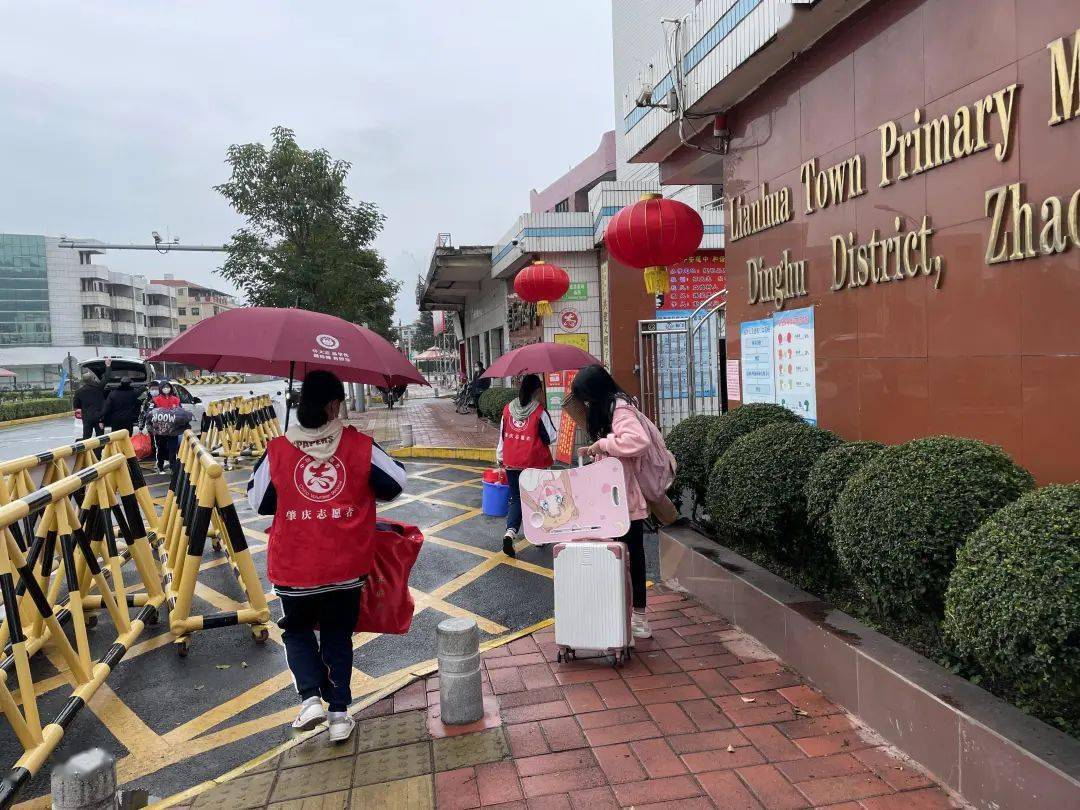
(627, 442)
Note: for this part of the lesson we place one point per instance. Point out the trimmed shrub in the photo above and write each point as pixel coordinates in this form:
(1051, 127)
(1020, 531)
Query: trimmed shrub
(743, 420)
(26, 408)
(687, 442)
(491, 403)
(901, 518)
(1013, 601)
(827, 480)
(756, 488)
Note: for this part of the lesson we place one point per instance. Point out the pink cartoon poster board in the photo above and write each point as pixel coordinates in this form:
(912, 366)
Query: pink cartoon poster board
(580, 503)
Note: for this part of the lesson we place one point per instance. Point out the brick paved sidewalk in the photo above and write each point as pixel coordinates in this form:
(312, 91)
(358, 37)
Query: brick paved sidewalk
(434, 423)
(702, 717)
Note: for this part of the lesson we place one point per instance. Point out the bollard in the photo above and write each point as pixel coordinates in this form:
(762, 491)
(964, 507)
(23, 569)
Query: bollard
(87, 781)
(406, 435)
(461, 697)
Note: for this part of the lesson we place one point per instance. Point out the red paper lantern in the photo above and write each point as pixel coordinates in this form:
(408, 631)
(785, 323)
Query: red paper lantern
(653, 233)
(540, 283)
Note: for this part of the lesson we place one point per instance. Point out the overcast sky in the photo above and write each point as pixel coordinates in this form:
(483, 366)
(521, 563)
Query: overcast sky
(115, 116)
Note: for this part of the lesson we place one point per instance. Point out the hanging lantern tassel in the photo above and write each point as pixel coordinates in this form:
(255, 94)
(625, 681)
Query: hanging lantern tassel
(656, 280)
(543, 308)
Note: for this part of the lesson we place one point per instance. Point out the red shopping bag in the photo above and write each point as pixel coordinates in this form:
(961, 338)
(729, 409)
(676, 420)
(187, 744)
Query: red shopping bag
(140, 443)
(386, 606)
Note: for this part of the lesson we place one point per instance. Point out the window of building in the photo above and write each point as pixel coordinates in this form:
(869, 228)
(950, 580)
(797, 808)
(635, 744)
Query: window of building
(194, 310)
(24, 291)
(183, 327)
(84, 257)
(182, 310)
(562, 206)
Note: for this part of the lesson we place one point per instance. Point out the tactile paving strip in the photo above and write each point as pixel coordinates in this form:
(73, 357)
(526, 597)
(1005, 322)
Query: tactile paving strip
(470, 749)
(389, 764)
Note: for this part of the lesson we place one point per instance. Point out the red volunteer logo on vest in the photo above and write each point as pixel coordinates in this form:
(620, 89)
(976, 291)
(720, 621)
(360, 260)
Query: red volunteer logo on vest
(319, 480)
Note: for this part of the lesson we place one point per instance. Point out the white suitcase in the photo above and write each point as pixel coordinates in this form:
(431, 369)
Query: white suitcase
(592, 599)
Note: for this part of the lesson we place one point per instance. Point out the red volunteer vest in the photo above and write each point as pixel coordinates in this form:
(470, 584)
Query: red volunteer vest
(325, 519)
(522, 447)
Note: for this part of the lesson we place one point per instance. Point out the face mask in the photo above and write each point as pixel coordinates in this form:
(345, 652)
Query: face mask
(154, 392)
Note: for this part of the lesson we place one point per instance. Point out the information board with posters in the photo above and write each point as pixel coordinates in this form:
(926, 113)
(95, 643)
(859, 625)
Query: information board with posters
(793, 357)
(755, 337)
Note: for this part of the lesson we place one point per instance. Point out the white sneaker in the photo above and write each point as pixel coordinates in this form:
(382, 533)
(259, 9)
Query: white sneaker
(311, 714)
(341, 727)
(639, 625)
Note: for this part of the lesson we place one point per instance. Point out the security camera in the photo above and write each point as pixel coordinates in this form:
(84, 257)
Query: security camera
(514, 242)
(157, 237)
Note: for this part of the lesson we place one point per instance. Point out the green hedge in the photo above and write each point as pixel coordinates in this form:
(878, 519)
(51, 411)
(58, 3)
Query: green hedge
(826, 482)
(901, 518)
(26, 408)
(741, 421)
(756, 488)
(687, 442)
(1013, 602)
(493, 401)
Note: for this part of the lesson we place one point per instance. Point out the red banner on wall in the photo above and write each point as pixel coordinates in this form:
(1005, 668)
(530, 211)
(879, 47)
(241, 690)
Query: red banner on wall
(564, 445)
(693, 280)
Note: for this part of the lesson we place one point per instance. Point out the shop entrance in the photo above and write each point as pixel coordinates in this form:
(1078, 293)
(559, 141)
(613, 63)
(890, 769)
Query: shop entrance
(681, 364)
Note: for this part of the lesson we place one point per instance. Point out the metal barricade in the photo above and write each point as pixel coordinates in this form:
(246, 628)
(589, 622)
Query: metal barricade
(198, 499)
(682, 364)
(71, 551)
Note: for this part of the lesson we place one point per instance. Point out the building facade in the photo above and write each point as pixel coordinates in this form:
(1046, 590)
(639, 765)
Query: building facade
(902, 200)
(195, 302)
(63, 305)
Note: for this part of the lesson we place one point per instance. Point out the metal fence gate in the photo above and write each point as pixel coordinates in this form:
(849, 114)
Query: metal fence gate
(682, 363)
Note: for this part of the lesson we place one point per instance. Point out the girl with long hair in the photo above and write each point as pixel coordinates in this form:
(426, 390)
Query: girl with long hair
(612, 424)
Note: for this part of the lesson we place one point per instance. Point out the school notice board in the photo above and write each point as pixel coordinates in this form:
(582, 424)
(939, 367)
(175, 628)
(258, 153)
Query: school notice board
(778, 363)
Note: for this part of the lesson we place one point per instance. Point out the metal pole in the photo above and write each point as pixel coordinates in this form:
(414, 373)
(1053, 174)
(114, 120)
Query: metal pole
(691, 387)
(288, 396)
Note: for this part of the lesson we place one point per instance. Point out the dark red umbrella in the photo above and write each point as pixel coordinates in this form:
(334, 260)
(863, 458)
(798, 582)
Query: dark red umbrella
(539, 357)
(290, 343)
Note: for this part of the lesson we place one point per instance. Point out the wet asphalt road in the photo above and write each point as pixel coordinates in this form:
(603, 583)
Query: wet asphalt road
(175, 722)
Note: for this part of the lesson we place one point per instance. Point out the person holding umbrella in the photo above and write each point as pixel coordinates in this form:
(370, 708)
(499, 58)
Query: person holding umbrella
(320, 481)
(525, 435)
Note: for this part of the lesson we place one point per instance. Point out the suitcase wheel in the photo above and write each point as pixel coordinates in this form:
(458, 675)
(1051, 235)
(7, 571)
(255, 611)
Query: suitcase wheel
(566, 654)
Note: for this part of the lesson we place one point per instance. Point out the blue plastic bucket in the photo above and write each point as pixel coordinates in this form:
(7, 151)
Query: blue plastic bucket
(495, 500)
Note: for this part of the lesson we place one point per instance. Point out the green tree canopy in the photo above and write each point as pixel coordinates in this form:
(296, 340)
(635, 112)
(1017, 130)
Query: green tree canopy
(304, 242)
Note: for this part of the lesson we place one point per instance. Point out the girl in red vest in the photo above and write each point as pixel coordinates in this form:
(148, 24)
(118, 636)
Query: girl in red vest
(525, 433)
(320, 481)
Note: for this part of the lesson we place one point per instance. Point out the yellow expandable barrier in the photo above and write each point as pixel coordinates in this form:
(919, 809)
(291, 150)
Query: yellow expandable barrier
(235, 427)
(77, 550)
(199, 499)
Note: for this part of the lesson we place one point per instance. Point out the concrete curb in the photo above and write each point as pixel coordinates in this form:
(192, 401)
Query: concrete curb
(985, 749)
(459, 453)
(29, 420)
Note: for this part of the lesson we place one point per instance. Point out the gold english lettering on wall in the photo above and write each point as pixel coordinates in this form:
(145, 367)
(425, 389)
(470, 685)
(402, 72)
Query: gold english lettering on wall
(948, 138)
(777, 283)
(878, 261)
(1012, 225)
(1064, 79)
(770, 209)
(833, 185)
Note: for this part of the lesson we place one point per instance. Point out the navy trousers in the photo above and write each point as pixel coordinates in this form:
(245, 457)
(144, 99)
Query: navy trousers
(321, 666)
